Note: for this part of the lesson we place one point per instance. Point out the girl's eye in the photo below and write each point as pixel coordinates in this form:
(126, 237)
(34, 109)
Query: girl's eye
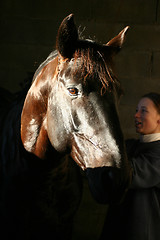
(73, 91)
(144, 110)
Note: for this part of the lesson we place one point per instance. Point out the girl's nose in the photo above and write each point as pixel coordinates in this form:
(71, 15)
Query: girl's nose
(137, 114)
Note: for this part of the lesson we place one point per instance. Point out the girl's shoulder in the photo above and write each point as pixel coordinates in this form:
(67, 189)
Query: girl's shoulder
(135, 145)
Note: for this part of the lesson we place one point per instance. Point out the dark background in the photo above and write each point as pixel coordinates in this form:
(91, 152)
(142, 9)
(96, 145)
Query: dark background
(28, 31)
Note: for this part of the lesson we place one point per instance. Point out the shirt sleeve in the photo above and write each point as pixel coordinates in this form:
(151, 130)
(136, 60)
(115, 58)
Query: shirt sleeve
(106, 184)
(146, 169)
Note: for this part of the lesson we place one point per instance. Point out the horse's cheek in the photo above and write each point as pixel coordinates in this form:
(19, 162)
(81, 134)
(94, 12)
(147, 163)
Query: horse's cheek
(56, 131)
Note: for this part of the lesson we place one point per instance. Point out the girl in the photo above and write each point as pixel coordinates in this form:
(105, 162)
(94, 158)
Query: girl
(138, 216)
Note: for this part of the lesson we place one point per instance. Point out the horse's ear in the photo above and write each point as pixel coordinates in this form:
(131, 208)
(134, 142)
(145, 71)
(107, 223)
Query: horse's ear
(116, 43)
(67, 37)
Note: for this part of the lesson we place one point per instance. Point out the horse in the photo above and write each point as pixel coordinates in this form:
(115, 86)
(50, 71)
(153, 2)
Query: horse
(64, 121)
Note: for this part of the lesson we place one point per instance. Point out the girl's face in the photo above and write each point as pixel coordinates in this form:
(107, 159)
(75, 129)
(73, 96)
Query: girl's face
(147, 119)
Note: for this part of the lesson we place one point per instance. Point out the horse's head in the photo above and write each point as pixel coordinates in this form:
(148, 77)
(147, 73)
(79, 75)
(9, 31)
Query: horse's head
(72, 103)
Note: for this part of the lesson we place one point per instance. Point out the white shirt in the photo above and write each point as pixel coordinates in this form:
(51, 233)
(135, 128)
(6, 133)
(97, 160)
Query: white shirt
(150, 137)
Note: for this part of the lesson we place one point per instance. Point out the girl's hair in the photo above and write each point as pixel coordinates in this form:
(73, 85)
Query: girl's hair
(155, 98)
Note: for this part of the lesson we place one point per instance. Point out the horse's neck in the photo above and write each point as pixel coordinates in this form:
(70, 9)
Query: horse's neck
(10, 140)
(60, 168)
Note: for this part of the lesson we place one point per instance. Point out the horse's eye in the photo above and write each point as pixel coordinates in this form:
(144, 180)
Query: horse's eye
(73, 91)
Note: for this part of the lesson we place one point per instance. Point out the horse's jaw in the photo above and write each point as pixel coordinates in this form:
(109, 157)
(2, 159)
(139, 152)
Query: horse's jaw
(93, 153)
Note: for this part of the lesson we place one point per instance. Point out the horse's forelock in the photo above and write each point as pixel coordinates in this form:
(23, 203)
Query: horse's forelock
(93, 64)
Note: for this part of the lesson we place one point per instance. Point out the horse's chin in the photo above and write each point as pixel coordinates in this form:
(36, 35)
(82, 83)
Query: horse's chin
(78, 158)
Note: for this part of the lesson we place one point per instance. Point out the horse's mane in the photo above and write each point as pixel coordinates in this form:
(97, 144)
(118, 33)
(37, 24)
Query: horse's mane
(51, 56)
(95, 65)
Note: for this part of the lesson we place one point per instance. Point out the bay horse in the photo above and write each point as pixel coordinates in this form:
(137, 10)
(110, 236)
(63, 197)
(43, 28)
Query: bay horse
(66, 118)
